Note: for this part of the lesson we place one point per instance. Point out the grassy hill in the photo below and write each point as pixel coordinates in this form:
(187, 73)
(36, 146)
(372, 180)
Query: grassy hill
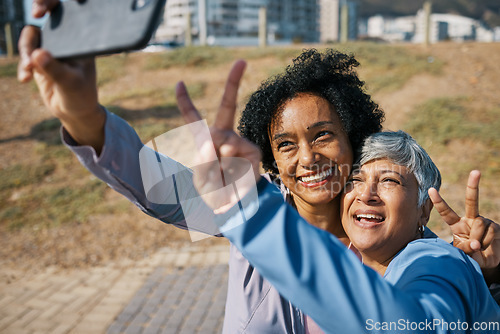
(53, 212)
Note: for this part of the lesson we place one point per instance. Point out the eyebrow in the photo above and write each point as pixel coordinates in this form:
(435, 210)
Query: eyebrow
(280, 135)
(319, 124)
(315, 125)
(383, 171)
(390, 171)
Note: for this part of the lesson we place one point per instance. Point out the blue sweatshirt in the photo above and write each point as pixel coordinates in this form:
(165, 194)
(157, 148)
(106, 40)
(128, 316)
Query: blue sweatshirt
(429, 286)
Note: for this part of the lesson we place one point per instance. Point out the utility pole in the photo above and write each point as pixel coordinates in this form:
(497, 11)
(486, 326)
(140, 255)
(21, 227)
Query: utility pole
(427, 14)
(262, 27)
(8, 40)
(188, 38)
(202, 19)
(344, 22)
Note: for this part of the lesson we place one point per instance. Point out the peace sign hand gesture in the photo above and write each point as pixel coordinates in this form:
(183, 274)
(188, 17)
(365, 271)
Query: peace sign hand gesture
(477, 236)
(228, 165)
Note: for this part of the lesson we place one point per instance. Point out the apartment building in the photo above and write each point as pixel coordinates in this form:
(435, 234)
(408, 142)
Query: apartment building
(219, 20)
(338, 20)
(11, 18)
(443, 27)
(452, 27)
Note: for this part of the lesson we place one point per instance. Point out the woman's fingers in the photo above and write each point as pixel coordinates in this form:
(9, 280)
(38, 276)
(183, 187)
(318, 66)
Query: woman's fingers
(29, 41)
(491, 233)
(50, 67)
(472, 195)
(227, 109)
(186, 106)
(40, 7)
(199, 129)
(447, 213)
(480, 235)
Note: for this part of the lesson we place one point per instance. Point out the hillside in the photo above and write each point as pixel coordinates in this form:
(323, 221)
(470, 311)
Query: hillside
(485, 10)
(54, 213)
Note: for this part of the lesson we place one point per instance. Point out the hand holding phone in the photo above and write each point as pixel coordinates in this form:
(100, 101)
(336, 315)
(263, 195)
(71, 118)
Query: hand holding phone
(97, 27)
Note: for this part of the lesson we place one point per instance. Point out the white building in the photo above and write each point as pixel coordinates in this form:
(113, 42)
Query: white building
(391, 29)
(332, 20)
(413, 28)
(496, 34)
(238, 20)
(451, 27)
(329, 20)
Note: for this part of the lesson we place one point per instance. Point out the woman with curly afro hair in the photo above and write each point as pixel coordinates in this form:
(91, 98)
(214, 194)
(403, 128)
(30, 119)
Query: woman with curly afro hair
(309, 122)
(330, 75)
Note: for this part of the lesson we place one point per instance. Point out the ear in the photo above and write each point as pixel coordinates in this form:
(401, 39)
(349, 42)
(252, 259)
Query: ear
(425, 212)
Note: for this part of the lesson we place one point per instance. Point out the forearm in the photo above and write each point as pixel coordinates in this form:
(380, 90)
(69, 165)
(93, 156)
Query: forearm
(162, 190)
(88, 129)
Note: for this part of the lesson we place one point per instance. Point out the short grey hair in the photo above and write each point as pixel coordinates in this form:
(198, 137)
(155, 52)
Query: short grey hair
(403, 150)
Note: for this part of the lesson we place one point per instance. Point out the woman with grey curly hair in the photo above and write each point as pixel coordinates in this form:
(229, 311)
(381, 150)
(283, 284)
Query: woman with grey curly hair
(405, 283)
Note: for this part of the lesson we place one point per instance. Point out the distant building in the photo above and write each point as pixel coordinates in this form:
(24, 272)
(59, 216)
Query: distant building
(238, 20)
(329, 21)
(443, 27)
(496, 34)
(332, 20)
(391, 29)
(12, 13)
(452, 27)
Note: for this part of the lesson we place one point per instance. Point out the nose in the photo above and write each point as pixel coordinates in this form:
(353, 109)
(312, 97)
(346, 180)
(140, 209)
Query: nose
(307, 156)
(368, 193)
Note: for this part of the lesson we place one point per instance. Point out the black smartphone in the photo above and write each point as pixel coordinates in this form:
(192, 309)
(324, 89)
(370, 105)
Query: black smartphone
(79, 28)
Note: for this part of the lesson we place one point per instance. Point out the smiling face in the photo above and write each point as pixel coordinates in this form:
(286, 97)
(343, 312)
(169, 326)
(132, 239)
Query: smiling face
(311, 149)
(380, 210)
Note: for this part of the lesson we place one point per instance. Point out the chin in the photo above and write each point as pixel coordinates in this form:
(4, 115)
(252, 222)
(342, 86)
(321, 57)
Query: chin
(318, 201)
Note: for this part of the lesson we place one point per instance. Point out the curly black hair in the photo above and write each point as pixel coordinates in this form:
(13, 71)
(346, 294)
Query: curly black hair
(330, 75)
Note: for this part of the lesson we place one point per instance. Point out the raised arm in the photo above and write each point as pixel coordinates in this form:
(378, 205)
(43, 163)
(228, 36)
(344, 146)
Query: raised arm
(104, 143)
(429, 282)
(68, 89)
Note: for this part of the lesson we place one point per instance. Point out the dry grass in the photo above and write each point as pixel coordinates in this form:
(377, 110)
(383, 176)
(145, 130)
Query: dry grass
(52, 212)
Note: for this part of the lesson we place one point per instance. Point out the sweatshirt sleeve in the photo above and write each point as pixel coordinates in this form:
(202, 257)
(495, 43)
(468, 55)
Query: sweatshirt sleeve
(125, 163)
(319, 275)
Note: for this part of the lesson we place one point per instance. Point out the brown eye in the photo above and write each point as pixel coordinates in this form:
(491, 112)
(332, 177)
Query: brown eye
(355, 180)
(391, 180)
(284, 145)
(323, 135)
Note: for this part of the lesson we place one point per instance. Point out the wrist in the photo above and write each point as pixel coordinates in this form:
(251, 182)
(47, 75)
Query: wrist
(87, 129)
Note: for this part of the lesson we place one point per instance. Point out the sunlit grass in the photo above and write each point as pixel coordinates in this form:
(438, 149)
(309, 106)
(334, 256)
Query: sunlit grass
(8, 70)
(50, 206)
(388, 67)
(110, 68)
(461, 137)
(157, 95)
(34, 194)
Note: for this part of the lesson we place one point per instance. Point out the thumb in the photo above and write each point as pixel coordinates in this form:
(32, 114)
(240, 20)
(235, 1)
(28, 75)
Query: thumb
(475, 245)
(48, 66)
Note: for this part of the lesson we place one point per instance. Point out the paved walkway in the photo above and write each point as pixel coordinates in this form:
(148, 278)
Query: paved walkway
(174, 291)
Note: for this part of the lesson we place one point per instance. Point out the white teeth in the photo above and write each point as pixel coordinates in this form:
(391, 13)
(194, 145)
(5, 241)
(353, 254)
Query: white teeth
(317, 177)
(369, 216)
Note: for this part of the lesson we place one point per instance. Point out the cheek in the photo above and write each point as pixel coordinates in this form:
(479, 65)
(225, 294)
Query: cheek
(346, 201)
(285, 167)
(345, 160)
(405, 207)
